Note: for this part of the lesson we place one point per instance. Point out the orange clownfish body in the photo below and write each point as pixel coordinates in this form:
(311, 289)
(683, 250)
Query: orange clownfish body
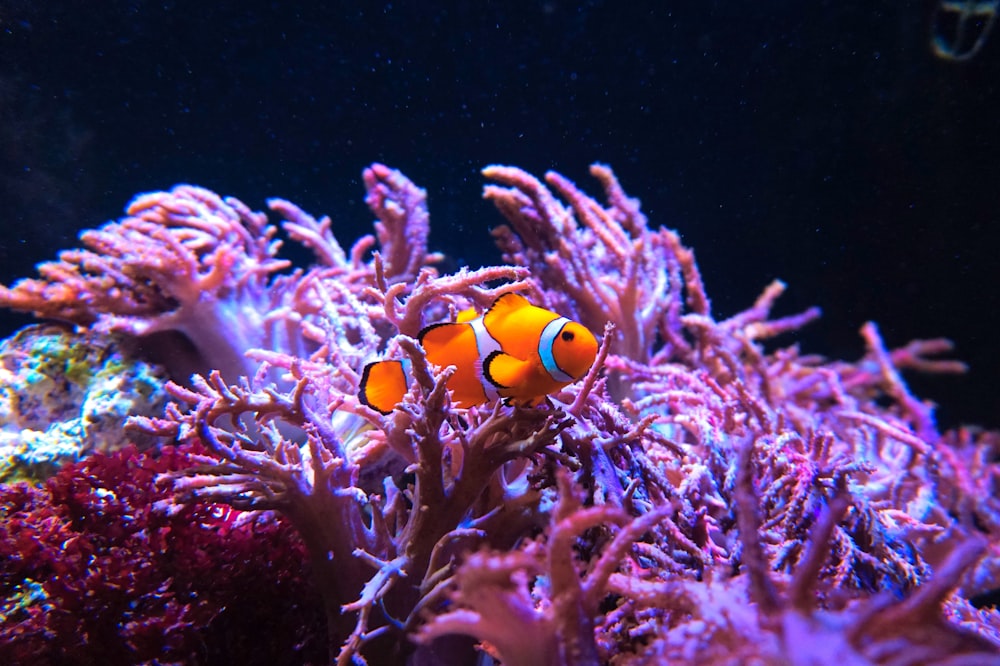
(515, 351)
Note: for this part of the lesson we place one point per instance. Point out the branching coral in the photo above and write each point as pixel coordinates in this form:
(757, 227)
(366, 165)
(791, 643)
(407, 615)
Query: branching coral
(597, 263)
(708, 383)
(698, 498)
(818, 433)
(190, 262)
(184, 260)
(376, 549)
(504, 603)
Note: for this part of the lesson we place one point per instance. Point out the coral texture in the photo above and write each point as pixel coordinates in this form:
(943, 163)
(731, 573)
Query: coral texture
(95, 571)
(65, 395)
(705, 495)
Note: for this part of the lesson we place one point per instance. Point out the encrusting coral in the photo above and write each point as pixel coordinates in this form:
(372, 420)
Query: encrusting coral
(65, 395)
(702, 496)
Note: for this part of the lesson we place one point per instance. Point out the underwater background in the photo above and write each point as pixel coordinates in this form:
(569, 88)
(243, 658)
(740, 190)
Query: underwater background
(235, 436)
(823, 143)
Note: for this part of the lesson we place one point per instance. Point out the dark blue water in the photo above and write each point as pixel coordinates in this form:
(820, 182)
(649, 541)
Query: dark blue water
(822, 143)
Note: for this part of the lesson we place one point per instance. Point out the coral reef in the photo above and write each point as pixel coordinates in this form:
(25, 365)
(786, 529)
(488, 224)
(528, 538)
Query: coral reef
(190, 263)
(95, 573)
(704, 495)
(65, 395)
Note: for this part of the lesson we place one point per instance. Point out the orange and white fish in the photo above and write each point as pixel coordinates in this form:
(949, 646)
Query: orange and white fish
(515, 351)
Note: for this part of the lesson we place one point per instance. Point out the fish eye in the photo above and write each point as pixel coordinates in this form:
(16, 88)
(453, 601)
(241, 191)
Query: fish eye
(567, 336)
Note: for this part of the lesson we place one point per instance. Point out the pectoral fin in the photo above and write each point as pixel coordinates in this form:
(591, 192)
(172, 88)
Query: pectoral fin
(505, 371)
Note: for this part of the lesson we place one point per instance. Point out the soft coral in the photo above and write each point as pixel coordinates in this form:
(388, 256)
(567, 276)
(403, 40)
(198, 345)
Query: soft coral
(124, 581)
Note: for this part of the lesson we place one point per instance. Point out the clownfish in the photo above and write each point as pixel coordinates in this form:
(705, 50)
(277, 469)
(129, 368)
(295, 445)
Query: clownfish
(515, 351)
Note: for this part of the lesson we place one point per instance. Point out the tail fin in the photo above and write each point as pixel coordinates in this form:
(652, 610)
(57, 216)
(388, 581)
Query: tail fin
(383, 385)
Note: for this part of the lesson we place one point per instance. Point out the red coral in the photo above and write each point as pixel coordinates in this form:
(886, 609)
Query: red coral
(123, 581)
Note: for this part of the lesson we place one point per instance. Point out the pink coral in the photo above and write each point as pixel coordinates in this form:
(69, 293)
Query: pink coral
(185, 260)
(703, 496)
(814, 435)
(190, 262)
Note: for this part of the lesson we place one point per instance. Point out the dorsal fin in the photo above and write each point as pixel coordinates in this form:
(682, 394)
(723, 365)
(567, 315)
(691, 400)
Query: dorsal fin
(505, 306)
(436, 338)
(466, 315)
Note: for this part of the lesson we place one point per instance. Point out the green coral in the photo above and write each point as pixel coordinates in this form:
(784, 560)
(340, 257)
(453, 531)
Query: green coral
(64, 395)
(23, 597)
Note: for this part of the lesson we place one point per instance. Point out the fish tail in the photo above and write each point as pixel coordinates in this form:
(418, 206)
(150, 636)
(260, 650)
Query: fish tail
(383, 385)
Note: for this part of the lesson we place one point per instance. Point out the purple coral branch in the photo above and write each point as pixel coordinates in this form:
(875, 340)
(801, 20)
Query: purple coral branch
(734, 457)
(753, 557)
(268, 471)
(808, 573)
(586, 251)
(191, 262)
(403, 226)
(755, 322)
(313, 234)
(595, 370)
(920, 413)
(408, 314)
